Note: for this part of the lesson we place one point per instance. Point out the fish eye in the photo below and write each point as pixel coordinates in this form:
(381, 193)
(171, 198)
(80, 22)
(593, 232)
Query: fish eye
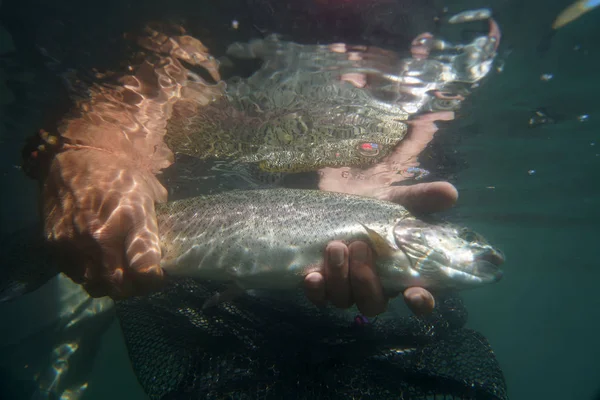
(468, 236)
(368, 149)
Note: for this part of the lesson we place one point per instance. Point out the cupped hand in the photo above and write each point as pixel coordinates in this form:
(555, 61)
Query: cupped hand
(100, 220)
(100, 188)
(349, 275)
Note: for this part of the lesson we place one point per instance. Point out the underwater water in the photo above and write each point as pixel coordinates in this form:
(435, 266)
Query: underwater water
(538, 322)
(524, 154)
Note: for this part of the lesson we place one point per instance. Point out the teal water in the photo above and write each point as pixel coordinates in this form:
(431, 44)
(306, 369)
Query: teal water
(542, 319)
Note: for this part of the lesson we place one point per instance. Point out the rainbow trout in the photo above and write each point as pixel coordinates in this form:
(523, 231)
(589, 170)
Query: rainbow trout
(272, 238)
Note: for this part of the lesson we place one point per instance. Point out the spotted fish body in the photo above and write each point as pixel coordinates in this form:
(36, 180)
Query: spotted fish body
(270, 239)
(264, 238)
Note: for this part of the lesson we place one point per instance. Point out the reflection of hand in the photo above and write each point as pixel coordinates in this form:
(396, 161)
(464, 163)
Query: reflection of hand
(378, 180)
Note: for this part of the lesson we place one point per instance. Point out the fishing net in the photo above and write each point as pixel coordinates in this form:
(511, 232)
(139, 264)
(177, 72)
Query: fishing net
(260, 347)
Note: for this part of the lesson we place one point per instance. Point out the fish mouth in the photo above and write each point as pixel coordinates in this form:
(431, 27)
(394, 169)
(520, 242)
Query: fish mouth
(487, 264)
(492, 256)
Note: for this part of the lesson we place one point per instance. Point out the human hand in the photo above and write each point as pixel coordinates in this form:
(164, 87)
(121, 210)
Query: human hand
(100, 221)
(349, 275)
(381, 180)
(350, 278)
(99, 183)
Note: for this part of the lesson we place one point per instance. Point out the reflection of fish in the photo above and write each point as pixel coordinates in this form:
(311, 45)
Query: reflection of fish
(294, 114)
(315, 106)
(270, 239)
(574, 11)
(471, 15)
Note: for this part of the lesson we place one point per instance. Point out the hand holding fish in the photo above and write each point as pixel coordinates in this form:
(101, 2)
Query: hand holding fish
(349, 273)
(349, 276)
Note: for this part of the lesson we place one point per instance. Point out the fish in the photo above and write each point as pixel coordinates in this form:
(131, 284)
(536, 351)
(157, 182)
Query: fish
(270, 239)
(573, 12)
(471, 15)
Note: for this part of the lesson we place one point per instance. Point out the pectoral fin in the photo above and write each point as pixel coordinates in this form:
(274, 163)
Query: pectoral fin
(229, 294)
(380, 245)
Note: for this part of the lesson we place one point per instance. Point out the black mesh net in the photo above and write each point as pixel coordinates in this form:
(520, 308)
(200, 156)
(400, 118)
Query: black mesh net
(260, 347)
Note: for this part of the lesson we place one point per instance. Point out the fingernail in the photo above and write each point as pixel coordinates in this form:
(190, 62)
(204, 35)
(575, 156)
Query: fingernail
(336, 256)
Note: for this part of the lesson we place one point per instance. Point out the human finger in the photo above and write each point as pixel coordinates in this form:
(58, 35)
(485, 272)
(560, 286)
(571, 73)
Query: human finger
(314, 288)
(336, 275)
(366, 286)
(420, 301)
